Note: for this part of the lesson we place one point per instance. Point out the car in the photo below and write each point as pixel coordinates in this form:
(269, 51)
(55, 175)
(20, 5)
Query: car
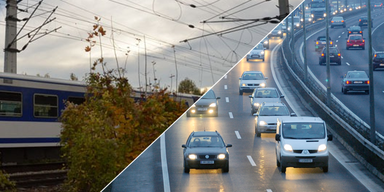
(302, 142)
(257, 52)
(378, 5)
(208, 105)
(276, 32)
(355, 30)
(355, 81)
(378, 60)
(363, 21)
(251, 80)
(266, 117)
(260, 95)
(334, 56)
(205, 150)
(321, 42)
(337, 21)
(297, 22)
(265, 42)
(355, 41)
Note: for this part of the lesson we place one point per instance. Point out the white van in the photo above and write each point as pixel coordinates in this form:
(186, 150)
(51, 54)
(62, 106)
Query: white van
(302, 142)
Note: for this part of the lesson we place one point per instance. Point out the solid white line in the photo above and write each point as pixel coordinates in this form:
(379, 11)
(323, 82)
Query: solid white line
(225, 87)
(230, 115)
(164, 164)
(227, 99)
(237, 135)
(251, 161)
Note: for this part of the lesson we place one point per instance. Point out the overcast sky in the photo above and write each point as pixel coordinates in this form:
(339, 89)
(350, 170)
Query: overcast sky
(163, 24)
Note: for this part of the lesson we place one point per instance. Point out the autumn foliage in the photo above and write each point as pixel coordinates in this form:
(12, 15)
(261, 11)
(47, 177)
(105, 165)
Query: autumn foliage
(110, 129)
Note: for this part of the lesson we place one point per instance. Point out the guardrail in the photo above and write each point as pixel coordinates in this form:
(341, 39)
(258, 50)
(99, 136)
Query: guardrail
(345, 124)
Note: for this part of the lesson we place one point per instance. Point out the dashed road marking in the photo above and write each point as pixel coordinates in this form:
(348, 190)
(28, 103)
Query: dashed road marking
(342, 57)
(347, 63)
(237, 135)
(269, 190)
(230, 115)
(251, 161)
(337, 41)
(227, 99)
(225, 87)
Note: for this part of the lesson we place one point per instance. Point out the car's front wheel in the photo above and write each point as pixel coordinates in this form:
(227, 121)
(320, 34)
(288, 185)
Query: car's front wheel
(226, 167)
(344, 90)
(186, 167)
(258, 134)
(240, 92)
(325, 169)
(283, 169)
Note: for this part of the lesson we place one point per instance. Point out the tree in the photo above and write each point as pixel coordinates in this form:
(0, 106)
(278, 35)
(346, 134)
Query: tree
(189, 87)
(104, 134)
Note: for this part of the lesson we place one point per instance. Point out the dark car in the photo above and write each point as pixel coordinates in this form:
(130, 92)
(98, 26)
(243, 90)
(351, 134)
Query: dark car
(334, 56)
(363, 21)
(321, 42)
(208, 104)
(378, 60)
(355, 41)
(276, 32)
(355, 30)
(205, 150)
(355, 81)
(338, 21)
(378, 5)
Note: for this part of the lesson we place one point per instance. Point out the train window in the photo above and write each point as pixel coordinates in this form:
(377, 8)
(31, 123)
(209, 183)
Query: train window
(10, 104)
(45, 106)
(76, 100)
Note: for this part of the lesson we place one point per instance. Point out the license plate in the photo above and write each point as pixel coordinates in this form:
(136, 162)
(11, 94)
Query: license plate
(331, 56)
(305, 160)
(381, 64)
(207, 162)
(357, 82)
(355, 45)
(322, 42)
(201, 109)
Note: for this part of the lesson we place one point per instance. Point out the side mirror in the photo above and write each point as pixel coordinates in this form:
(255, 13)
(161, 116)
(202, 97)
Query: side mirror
(281, 96)
(277, 137)
(228, 145)
(330, 137)
(217, 97)
(183, 146)
(250, 96)
(255, 114)
(266, 77)
(293, 114)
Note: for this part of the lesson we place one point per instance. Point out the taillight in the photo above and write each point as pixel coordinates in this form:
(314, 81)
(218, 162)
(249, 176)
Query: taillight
(317, 42)
(342, 21)
(338, 54)
(347, 41)
(322, 54)
(349, 31)
(348, 82)
(361, 32)
(367, 82)
(359, 19)
(363, 40)
(331, 21)
(331, 42)
(375, 55)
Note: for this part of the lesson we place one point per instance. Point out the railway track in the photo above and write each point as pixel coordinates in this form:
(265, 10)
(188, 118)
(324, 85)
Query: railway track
(36, 175)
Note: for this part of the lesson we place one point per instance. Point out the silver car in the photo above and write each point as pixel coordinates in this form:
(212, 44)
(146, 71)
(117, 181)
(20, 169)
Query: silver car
(257, 52)
(355, 81)
(261, 95)
(251, 80)
(266, 117)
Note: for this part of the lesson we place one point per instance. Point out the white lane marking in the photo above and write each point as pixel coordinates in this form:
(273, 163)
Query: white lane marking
(342, 57)
(225, 87)
(164, 164)
(340, 36)
(251, 161)
(337, 41)
(347, 63)
(230, 115)
(227, 99)
(269, 190)
(237, 135)
(341, 33)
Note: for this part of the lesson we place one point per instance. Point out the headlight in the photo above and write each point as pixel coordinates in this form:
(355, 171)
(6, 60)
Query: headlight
(322, 147)
(325, 15)
(311, 15)
(297, 25)
(192, 156)
(288, 147)
(193, 105)
(310, 19)
(256, 104)
(279, 32)
(221, 156)
(265, 42)
(212, 105)
(243, 84)
(262, 123)
(262, 84)
(262, 53)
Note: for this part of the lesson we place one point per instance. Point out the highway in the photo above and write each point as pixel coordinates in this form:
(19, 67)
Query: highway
(252, 164)
(353, 59)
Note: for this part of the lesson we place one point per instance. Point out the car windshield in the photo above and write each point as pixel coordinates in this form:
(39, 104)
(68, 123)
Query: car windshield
(318, 5)
(337, 19)
(331, 50)
(323, 38)
(355, 37)
(206, 141)
(303, 130)
(358, 74)
(253, 76)
(209, 95)
(274, 111)
(379, 55)
(259, 47)
(355, 28)
(266, 93)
